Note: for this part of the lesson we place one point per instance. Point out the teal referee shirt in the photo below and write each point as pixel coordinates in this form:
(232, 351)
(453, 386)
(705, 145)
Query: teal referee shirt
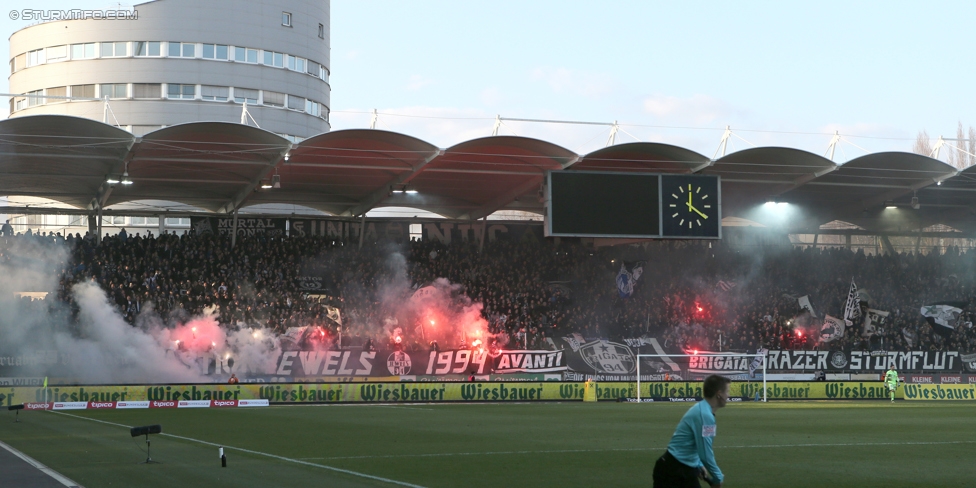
(691, 443)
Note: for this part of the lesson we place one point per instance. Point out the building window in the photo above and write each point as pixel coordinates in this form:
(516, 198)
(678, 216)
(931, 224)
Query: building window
(170, 222)
(214, 93)
(286, 19)
(273, 99)
(215, 51)
(83, 51)
(274, 59)
(300, 64)
(321, 31)
(57, 91)
(296, 103)
(141, 130)
(312, 108)
(176, 91)
(35, 97)
(114, 49)
(115, 90)
(147, 90)
(323, 74)
(57, 53)
(35, 58)
(82, 91)
(151, 48)
(182, 49)
(245, 55)
(248, 95)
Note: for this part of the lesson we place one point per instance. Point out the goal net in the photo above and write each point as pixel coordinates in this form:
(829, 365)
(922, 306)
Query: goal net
(736, 366)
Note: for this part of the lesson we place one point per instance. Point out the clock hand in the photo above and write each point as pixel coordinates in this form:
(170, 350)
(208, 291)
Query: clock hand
(693, 209)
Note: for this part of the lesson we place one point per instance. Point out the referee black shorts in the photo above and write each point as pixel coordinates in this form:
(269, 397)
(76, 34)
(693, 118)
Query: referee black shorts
(671, 473)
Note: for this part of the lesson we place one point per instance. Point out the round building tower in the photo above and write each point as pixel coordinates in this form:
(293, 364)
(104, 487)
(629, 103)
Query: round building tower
(181, 61)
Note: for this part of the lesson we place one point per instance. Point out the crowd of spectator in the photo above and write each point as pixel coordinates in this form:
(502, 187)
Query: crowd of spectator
(690, 295)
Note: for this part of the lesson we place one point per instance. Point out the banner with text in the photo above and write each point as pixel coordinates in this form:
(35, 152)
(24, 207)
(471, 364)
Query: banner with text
(168, 396)
(245, 226)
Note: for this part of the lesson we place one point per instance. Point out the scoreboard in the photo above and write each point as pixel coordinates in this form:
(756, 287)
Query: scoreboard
(633, 205)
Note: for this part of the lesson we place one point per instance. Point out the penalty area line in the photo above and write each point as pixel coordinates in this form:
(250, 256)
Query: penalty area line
(259, 453)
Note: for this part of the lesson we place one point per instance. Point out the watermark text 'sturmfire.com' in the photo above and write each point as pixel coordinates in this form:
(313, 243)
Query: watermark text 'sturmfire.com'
(72, 14)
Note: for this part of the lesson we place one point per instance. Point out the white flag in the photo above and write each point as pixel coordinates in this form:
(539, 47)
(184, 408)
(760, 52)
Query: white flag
(832, 329)
(852, 311)
(874, 319)
(757, 361)
(804, 302)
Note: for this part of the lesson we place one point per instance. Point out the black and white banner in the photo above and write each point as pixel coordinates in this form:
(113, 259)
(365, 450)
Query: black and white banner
(943, 316)
(245, 226)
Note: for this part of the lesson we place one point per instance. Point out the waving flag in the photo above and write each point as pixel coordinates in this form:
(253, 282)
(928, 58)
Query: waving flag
(757, 361)
(944, 316)
(804, 302)
(832, 329)
(626, 279)
(852, 311)
(874, 319)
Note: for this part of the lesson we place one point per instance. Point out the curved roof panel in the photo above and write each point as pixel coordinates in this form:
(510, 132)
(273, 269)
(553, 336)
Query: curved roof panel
(953, 202)
(59, 157)
(348, 171)
(871, 180)
(477, 177)
(759, 174)
(648, 157)
(211, 165)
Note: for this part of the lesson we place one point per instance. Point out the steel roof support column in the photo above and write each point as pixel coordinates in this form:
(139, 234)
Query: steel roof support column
(362, 229)
(93, 224)
(724, 143)
(833, 145)
(484, 230)
(98, 233)
(233, 235)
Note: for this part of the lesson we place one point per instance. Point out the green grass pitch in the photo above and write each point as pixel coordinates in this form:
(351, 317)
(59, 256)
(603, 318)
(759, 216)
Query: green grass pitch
(795, 444)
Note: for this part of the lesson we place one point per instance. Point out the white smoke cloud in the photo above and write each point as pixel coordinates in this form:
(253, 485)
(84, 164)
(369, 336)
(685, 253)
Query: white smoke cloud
(93, 344)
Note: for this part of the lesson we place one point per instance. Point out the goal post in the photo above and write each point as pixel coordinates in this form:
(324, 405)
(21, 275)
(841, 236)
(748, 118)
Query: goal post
(668, 362)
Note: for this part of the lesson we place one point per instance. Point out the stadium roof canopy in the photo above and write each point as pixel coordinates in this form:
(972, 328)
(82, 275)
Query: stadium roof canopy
(221, 167)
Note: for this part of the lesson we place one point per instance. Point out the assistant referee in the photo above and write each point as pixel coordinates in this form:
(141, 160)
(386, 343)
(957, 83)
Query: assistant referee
(690, 450)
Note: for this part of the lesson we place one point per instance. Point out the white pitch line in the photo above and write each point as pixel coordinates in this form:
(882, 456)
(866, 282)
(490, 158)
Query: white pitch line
(60, 478)
(565, 451)
(275, 456)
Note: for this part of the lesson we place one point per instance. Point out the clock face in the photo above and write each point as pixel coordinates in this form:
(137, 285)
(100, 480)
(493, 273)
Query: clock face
(690, 206)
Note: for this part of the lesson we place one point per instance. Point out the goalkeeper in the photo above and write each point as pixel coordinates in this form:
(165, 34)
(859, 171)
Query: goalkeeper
(891, 381)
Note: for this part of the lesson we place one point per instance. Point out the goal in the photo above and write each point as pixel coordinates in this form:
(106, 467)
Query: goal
(709, 363)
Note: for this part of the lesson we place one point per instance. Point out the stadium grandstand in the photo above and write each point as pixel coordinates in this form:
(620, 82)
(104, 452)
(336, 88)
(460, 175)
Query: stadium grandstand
(739, 293)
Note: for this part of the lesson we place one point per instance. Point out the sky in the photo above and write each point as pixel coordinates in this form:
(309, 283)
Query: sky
(778, 73)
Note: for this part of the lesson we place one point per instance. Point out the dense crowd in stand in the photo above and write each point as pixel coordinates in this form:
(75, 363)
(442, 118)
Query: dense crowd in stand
(691, 295)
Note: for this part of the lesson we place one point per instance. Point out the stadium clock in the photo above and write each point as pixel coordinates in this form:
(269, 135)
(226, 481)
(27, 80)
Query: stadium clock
(690, 206)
